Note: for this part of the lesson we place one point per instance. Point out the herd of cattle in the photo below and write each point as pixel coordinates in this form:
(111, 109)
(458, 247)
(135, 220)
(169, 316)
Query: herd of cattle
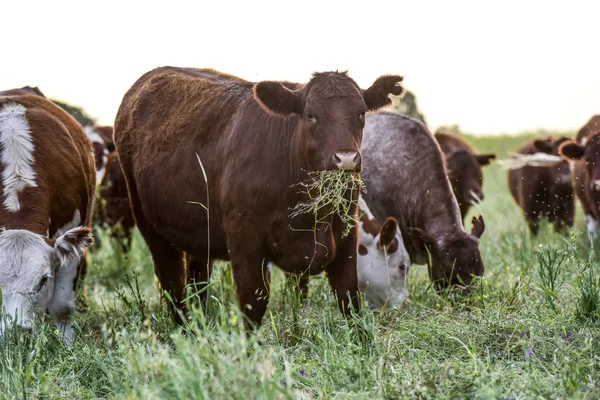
(207, 165)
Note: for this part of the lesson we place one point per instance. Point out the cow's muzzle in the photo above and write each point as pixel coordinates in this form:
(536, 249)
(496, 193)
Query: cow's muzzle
(347, 160)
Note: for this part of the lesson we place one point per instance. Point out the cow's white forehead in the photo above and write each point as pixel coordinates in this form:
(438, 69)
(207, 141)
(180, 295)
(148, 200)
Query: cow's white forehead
(23, 256)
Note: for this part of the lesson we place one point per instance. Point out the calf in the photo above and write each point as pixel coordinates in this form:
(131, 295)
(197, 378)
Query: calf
(543, 191)
(47, 194)
(585, 170)
(463, 167)
(404, 173)
(188, 136)
(25, 90)
(383, 261)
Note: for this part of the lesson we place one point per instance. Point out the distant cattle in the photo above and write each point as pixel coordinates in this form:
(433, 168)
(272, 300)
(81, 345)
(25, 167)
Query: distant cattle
(45, 217)
(464, 170)
(189, 137)
(585, 152)
(102, 141)
(383, 261)
(114, 202)
(25, 90)
(544, 192)
(405, 178)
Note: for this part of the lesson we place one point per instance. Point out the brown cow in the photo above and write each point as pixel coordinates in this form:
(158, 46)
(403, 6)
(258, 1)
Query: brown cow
(413, 188)
(463, 167)
(102, 141)
(544, 191)
(47, 194)
(256, 142)
(585, 170)
(114, 202)
(25, 90)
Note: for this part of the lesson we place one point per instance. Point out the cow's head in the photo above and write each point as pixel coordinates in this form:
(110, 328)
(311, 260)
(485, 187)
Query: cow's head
(464, 172)
(332, 111)
(383, 261)
(561, 172)
(454, 258)
(102, 144)
(36, 272)
(589, 152)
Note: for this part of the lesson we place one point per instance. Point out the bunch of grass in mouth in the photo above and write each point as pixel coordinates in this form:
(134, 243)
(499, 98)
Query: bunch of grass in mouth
(327, 195)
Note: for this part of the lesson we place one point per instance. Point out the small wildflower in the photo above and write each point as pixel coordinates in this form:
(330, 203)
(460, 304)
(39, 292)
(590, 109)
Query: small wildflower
(523, 333)
(529, 353)
(303, 373)
(284, 383)
(569, 336)
(372, 307)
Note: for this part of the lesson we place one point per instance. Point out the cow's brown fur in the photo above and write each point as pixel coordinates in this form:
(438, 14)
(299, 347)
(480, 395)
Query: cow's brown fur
(463, 167)
(253, 161)
(25, 90)
(543, 192)
(65, 172)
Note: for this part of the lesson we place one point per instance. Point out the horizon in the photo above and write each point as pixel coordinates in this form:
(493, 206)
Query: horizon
(490, 69)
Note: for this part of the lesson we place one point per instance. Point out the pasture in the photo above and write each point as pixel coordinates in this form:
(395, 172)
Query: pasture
(528, 330)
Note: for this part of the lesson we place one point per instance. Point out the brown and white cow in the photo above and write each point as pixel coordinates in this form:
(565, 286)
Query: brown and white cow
(585, 170)
(47, 195)
(25, 90)
(102, 141)
(412, 187)
(463, 167)
(256, 142)
(383, 261)
(544, 192)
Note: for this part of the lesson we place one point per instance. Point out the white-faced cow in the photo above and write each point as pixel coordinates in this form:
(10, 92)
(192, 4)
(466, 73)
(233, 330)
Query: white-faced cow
(584, 153)
(404, 173)
(463, 167)
(256, 142)
(383, 261)
(45, 216)
(102, 141)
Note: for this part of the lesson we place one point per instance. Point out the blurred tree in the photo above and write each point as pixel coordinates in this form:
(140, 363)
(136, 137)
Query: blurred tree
(76, 112)
(453, 129)
(407, 105)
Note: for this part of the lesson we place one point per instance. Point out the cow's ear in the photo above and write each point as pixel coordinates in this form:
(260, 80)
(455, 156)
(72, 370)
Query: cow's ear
(484, 159)
(377, 95)
(571, 150)
(72, 244)
(388, 232)
(420, 240)
(478, 226)
(277, 99)
(543, 146)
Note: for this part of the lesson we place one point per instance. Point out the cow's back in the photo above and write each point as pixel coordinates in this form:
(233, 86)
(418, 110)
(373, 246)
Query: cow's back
(405, 177)
(63, 165)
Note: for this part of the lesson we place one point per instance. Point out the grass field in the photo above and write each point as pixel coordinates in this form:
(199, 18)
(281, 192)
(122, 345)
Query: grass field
(529, 330)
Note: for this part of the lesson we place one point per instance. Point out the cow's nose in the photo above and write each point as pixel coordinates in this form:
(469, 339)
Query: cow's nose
(596, 185)
(347, 160)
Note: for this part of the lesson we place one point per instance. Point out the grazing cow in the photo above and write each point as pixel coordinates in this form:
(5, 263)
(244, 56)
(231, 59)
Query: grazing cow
(383, 261)
(45, 218)
(463, 166)
(187, 136)
(114, 202)
(413, 188)
(102, 141)
(585, 171)
(544, 191)
(25, 90)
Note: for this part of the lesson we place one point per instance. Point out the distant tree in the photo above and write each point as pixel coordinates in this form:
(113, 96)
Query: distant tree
(453, 129)
(407, 105)
(76, 112)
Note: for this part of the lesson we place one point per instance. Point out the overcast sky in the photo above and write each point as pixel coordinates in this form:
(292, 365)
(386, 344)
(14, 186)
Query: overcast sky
(504, 67)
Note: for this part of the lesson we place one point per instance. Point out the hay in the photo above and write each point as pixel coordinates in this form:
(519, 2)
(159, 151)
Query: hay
(530, 160)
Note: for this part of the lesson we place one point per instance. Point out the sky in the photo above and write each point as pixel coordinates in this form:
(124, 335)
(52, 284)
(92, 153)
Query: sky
(490, 67)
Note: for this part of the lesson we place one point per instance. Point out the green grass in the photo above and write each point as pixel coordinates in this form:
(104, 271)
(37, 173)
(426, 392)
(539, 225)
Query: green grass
(529, 330)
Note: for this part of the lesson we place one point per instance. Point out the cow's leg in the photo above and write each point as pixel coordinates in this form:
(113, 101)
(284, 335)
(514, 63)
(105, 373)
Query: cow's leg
(250, 269)
(342, 274)
(199, 271)
(593, 229)
(169, 265)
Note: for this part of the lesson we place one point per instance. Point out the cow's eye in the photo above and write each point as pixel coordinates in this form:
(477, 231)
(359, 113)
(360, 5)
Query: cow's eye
(362, 114)
(311, 118)
(42, 283)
